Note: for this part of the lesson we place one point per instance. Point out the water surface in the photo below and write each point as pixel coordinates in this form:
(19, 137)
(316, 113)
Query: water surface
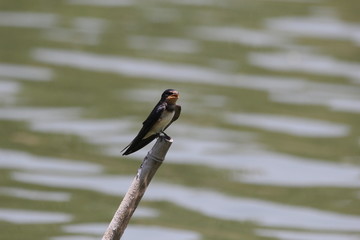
(267, 146)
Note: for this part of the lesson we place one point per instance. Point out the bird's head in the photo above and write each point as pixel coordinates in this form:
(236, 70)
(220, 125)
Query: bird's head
(170, 96)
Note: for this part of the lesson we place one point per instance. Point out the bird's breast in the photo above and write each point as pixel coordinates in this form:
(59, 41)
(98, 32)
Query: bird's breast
(161, 123)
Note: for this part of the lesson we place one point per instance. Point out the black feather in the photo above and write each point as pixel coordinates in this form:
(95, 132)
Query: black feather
(139, 141)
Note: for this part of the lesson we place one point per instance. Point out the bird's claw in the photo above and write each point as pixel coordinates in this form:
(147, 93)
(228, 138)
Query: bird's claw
(165, 135)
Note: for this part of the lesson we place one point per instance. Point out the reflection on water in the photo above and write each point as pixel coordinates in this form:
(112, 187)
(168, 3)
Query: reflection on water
(89, 129)
(27, 19)
(67, 237)
(120, 3)
(38, 114)
(103, 3)
(284, 170)
(345, 105)
(286, 235)
(133, 232)
(305, 62)
(144, 212)
(204, 201)
(259, 166)
(35, 195)
(83, 30)
(327, 27)
(25, 72)
(290, 125)
(25, 161)
(337, 97)
(33, 217)
(239, 35)
(161, 70)
(125, 65)
(165, 44)
(289, 90)
(8, 91)
(8, 87)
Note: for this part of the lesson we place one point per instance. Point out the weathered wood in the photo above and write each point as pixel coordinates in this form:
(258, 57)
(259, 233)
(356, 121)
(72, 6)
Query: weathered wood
(147, 170)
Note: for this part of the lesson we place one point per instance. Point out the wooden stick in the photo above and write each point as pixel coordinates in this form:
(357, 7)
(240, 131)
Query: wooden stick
(147, 170)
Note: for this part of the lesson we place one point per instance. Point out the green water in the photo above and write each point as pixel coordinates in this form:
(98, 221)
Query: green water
(262, 83)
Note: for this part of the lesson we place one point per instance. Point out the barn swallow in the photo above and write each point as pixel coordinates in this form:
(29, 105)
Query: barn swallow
(164, 113)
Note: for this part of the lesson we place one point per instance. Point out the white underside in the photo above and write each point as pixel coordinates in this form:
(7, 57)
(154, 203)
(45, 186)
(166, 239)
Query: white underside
(163, 121)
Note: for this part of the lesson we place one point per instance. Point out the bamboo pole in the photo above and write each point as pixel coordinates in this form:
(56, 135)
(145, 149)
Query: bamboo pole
(147, 170)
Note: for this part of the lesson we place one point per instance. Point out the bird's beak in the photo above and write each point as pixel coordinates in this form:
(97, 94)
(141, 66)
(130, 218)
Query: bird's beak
(174, 95)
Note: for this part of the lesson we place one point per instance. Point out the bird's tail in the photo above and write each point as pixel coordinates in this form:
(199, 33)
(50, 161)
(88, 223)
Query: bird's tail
(134, 146)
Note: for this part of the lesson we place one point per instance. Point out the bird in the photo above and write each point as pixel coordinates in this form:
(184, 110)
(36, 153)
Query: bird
(161, 117)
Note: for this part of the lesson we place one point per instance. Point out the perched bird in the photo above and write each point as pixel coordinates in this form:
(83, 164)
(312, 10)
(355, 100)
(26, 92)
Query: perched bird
(164, 113)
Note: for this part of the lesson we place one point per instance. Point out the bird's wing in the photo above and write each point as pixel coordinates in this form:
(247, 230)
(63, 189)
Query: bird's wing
(176, 115)
(134, 146)
(138, 141)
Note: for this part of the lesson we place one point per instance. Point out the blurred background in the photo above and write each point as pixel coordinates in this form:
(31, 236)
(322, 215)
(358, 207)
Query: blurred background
(267, 146)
